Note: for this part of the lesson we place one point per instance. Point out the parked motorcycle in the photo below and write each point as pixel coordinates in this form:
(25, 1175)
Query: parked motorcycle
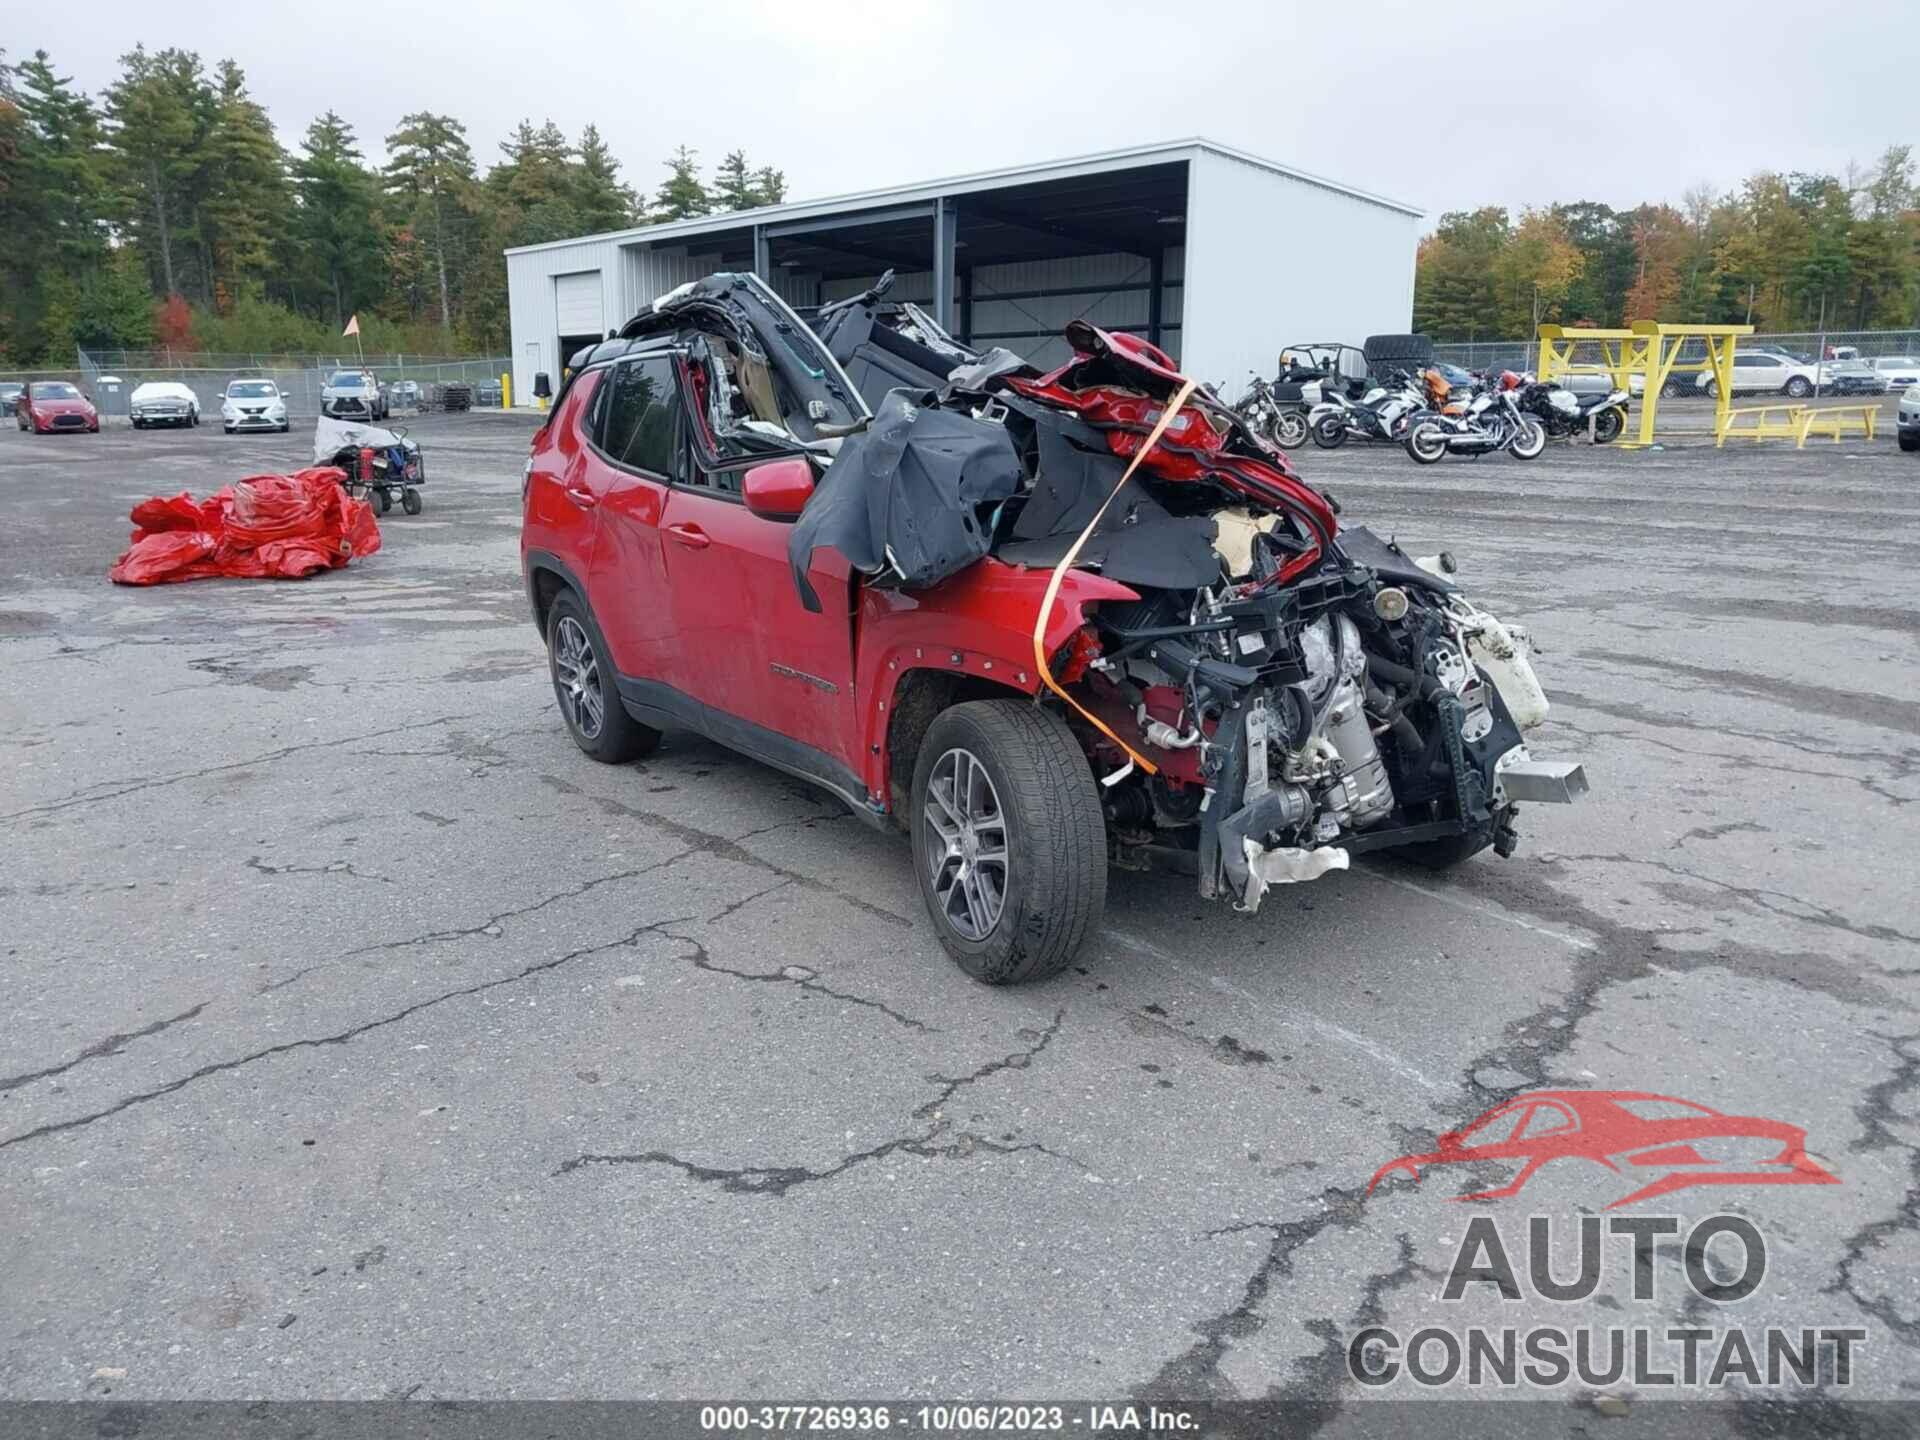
(1380, 416)
(1271, 418)
(1492, 420)
(1562, 412)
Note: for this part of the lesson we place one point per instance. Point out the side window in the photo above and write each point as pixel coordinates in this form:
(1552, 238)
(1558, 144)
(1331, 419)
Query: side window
(1545, 1120)
(638, 428)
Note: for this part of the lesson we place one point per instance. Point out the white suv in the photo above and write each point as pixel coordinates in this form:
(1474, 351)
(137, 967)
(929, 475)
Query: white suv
(353, 395)
(1758, 372)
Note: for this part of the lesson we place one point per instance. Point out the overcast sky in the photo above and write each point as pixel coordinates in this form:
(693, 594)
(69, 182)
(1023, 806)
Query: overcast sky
(1445, 105)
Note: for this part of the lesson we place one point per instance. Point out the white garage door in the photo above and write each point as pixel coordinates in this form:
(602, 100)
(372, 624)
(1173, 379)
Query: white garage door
(576, 304)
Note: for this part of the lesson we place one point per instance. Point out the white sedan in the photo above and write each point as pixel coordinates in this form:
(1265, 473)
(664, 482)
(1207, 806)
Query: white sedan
(1899, 371)
(253, 405)
(164, 402)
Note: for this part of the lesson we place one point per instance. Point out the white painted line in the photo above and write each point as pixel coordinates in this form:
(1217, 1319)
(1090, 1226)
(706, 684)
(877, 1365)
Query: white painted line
(1573, 941)
(1291, 1019)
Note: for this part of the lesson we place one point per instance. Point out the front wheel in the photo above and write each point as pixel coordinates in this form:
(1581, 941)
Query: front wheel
(1290, 430)
(410, 500)
(1330, 433)
(1712, 388)
(1910, 440)
(1427, 444)
(1799, 387)
(1608, 424)
(1529, 441)
(1008, 840)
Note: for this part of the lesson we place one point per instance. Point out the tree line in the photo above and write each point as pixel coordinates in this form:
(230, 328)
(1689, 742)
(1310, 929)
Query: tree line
(1782, 252)
(166, 212)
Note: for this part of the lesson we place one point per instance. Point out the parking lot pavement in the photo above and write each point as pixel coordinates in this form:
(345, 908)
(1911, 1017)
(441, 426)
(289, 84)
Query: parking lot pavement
(365, 1039)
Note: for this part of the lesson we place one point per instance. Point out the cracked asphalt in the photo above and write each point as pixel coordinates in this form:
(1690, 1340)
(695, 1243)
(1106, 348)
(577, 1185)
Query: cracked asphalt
(366, 1040)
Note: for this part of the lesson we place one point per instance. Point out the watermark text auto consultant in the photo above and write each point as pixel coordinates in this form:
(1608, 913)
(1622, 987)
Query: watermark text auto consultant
(1723, 1260)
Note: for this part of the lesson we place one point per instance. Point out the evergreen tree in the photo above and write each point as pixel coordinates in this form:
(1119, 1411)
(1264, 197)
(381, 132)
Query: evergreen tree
(682, 196)
(430, 178)
(247, 213)
(160, 111)
(733, 187)
(769, 185)
(338, 221)
(602, 201)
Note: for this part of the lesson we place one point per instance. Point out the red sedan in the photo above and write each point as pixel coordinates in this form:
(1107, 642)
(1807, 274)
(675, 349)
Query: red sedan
(51, 405)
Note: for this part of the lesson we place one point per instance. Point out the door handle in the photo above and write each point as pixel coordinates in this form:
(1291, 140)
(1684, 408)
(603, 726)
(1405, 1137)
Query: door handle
(582, 496)
(691, 536)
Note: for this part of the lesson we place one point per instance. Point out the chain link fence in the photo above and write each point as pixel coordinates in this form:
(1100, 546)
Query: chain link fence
(300, 377)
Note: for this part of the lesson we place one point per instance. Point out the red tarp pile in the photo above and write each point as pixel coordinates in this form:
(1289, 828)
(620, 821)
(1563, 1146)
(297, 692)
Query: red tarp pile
(282, 527)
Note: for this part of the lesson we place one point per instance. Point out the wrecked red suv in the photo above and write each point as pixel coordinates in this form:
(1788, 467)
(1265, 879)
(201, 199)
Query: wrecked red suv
(956, 594)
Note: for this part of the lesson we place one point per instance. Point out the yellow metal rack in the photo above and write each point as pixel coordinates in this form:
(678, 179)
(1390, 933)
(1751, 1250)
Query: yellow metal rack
(1650, 350)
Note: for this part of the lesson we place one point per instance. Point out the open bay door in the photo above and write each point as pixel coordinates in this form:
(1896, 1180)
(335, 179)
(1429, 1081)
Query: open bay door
(577, 314)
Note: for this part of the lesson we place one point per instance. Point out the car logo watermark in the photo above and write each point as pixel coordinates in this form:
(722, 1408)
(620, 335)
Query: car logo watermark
(1645, 1356)
(1636, 1145)
(1665, 1143)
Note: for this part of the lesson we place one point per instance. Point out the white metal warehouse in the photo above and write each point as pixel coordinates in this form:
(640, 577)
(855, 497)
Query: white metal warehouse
(1217, 256)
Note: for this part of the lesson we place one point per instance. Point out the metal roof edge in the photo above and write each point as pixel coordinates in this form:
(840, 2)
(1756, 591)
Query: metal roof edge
(1124, 158)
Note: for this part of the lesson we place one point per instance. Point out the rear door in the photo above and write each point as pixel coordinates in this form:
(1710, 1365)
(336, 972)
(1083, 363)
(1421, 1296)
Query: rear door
(622, 476)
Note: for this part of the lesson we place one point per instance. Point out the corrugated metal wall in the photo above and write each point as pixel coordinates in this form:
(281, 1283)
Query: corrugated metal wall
(1030, 324)
(1275, 260)
(530, 304)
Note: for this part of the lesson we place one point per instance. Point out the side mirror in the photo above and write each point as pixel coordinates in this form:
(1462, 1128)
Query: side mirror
(778, 490)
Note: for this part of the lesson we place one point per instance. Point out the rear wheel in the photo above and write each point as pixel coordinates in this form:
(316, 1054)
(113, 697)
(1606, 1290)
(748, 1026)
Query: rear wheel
(583, 683)
(1531, 440)
(1607, 425)
(1330, 433)
(1426, 443)
(1712, 388)
(1008, 840)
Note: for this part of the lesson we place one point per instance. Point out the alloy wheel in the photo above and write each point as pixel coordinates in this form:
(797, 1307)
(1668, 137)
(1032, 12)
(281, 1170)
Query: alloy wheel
(576, 672)
(966, 844)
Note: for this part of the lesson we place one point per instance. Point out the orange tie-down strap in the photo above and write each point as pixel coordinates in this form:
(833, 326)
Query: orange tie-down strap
(1066, 563)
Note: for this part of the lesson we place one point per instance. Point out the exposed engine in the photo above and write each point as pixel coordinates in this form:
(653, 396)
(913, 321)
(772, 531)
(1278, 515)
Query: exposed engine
(1295, 727)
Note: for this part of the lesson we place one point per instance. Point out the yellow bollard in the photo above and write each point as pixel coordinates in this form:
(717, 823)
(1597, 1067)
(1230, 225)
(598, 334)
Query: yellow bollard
(506, 391)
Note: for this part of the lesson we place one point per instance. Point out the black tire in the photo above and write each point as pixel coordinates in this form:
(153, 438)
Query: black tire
(1330, 433)
(1673, 390)
(1290, 430)
(1524, 446)
(1054, 877)
(617, 737)
(226, 429)
(1712, 387)
(1608, 424)
(1799, 387)
(410, 500)
(1909, 440)
(380, 500)
(283, 429)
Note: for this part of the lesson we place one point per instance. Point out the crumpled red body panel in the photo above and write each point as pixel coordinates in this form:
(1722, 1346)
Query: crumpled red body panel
(282, 527)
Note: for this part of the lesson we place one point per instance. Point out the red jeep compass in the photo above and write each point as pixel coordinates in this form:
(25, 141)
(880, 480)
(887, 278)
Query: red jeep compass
(1045, 623)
